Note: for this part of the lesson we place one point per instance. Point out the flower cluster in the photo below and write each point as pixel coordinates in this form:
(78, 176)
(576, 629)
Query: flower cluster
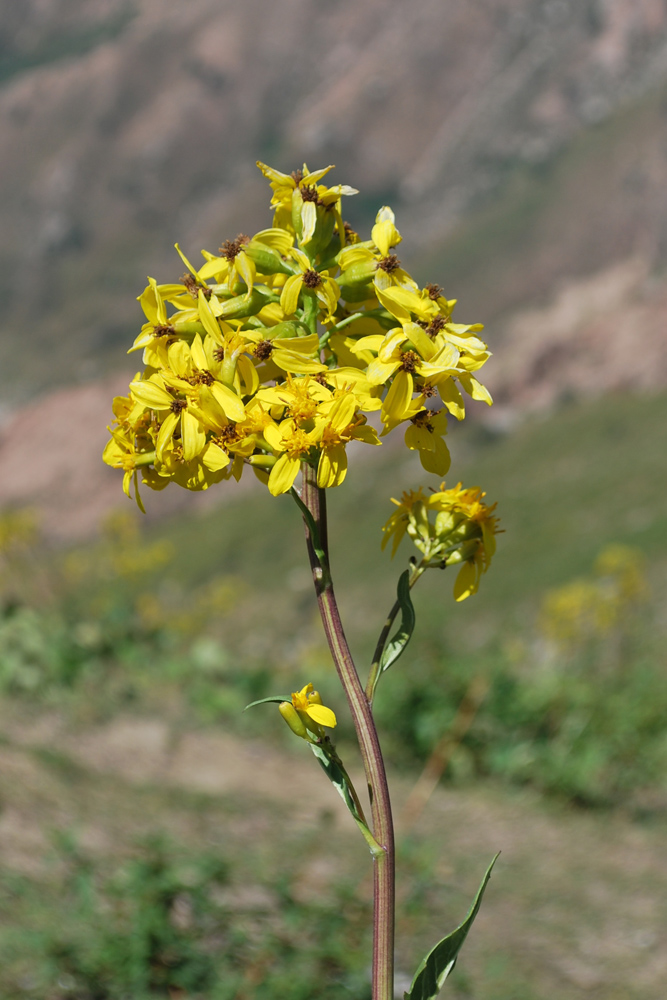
(449, 527)
(273, 352)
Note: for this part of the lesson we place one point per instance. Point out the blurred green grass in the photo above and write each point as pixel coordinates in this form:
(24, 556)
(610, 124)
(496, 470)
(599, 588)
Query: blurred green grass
(189, 619)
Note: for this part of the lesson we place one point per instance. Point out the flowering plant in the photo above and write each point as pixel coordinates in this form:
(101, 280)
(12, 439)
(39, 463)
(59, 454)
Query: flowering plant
(272, 356)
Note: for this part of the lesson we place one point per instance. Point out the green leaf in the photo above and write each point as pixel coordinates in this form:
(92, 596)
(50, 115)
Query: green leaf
(276, 698)
(340, 779)
(434, 969)
(402, 637)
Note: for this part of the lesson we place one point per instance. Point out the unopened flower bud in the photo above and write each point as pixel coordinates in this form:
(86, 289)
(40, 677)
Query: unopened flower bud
(266, 259)
(357, 274)
(243, 305)
(293, 719)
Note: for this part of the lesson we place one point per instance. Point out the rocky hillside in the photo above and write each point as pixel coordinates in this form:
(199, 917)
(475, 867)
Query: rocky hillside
(127, 124)
(522, 143)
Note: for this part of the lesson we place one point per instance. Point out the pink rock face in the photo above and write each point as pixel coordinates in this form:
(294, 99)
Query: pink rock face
(51, 462)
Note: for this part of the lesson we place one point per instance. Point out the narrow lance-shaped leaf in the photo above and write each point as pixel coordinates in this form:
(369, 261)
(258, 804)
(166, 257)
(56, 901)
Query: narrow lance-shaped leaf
(314, 536)
(339, 778)
(277, 698)
(402, 637)
(434, 969)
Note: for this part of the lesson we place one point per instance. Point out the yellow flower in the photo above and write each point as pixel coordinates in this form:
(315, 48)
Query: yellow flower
(425, 435)
(297, 197)
(313, 282)
(461, 533)
(295, 446)
(335, 426)
(311, 713)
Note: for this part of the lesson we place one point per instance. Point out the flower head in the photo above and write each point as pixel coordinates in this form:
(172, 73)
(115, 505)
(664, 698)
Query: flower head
(449, 527)
(271, 353)
(306, 715)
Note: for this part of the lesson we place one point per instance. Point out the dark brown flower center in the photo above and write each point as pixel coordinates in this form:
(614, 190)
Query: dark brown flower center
(192, 286)
(164, 331)
(423, 419)
(409, 361)
(389, 264)
(232, 248)
(312, 279)
(434, 291)
(178, 405)
(203, 377)
(351, 235)
(263, 350)
(309, 193)
(436, 325)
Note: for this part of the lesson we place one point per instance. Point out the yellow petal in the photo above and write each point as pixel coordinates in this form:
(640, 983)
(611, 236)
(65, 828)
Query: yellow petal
(475, 388)
(246, 269)
(274, 175)
(248, 375)
(159, 301)
(283, 474)
(466, 581)
(385, 235)
(231, 404)
(332, 467)
(185, 260)
(277, 239)
(322, 715)
(289, 297)
(215, 267)
(198, 353)
(399, 397)
(316, 175)
(342, 412)
(209, 321)
(192, 435)
(214, 457)
(297, 364)
(166, 431)
(452, 398)
(421, 341)
(148, 301)
(151, 394)
(179, 357)
(308, 220)
(438, 459)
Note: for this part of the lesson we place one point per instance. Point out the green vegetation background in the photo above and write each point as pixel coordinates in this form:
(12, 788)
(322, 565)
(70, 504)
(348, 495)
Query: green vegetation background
(195, 617)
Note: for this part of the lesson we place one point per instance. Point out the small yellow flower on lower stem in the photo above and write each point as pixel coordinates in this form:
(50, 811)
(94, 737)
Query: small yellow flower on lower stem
(306, 715)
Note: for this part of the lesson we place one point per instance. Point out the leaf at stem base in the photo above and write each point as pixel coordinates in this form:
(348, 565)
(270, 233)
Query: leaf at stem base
(437, 965)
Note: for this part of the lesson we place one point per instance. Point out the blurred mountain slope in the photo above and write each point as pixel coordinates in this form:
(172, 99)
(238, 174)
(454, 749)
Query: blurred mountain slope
(523, 144)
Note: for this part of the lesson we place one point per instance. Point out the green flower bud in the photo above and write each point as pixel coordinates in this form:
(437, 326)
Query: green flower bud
(289, 328)
(358, 274)
(266, 259)
(244, 305)
(324, 227)
(293, 719)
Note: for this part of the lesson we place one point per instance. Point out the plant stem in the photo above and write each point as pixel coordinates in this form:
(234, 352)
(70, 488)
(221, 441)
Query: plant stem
(383, 830)
(384, 635)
